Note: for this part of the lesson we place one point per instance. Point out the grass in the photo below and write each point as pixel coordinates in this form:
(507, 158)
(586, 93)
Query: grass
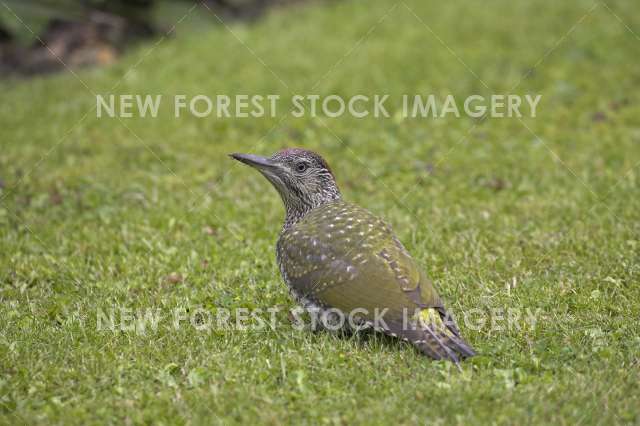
(142, 213)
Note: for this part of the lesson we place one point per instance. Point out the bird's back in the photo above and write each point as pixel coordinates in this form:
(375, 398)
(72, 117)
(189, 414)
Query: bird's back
(341, 256)
(345, 257)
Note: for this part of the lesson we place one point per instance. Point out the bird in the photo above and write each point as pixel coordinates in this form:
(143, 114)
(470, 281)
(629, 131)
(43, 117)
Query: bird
(339, 259)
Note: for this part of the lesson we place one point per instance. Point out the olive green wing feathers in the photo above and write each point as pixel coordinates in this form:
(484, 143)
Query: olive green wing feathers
(344, 257)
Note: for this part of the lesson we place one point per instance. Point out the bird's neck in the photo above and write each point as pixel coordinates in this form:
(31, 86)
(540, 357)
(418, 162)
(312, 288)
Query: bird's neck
(297, 209)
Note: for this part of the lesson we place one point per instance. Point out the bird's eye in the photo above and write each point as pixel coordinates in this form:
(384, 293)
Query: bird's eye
(301, 167)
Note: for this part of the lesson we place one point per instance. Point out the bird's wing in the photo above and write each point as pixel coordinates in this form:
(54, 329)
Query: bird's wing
(346, 258)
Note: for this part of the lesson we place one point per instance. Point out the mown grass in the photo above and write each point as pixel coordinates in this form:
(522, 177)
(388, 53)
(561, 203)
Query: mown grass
(142, 213)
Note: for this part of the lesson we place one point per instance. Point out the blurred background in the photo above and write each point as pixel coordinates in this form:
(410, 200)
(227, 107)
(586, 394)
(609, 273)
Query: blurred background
(95, 32)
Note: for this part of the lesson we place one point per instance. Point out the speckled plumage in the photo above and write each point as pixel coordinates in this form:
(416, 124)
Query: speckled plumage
(337, 255)
(343, 247)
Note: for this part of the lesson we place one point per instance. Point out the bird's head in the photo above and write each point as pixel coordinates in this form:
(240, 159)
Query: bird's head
(302, 178)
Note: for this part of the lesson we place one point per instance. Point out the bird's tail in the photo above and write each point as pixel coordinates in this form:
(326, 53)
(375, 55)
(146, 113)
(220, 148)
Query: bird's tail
(435, 334)
(442, 338)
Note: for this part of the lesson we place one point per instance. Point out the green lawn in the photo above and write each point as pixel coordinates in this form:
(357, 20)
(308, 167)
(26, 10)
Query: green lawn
(505, 214)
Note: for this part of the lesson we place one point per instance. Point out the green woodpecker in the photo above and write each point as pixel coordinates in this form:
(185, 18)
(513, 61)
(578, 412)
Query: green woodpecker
(339, 259)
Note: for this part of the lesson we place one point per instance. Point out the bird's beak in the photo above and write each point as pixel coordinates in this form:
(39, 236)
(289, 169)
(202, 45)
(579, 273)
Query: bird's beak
(254, 160)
